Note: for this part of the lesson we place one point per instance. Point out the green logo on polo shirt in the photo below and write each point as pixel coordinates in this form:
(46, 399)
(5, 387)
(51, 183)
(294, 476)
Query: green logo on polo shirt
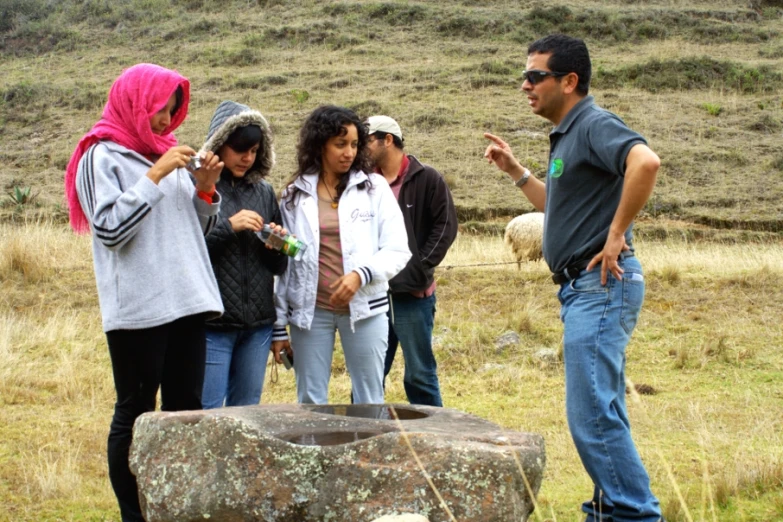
(556, 168)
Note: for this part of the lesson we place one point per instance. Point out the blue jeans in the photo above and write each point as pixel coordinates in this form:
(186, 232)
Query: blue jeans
(363, 346)
(410, 324)
(598, 321)
(236, 365)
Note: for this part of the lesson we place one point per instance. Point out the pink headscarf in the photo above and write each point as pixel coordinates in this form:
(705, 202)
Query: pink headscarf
(134, 98)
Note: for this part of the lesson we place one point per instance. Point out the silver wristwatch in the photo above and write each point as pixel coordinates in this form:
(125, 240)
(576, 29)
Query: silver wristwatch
(521, 181)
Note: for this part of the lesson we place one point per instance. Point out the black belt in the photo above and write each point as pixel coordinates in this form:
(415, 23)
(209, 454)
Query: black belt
(570, 273)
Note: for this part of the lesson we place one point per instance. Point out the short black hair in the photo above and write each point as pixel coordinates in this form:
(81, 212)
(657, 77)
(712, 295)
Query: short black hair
(245, 138)
(400, 144)
(568, 55)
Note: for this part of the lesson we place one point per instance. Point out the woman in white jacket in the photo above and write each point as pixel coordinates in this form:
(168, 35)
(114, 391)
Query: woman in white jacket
(357, 242)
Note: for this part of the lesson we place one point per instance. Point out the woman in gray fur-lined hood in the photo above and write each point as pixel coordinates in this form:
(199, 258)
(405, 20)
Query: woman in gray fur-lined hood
(238, 342)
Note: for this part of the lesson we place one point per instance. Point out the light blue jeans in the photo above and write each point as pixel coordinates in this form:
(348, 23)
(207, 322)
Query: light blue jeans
(598, 321)
(236, 365)
(364, 349)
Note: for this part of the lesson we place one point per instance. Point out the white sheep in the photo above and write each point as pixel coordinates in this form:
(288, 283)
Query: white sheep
(525, 235)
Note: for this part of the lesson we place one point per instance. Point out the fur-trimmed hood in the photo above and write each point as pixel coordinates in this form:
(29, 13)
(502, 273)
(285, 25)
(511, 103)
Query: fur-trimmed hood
(228, 117)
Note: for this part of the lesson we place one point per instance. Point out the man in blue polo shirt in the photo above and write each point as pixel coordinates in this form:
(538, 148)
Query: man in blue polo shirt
(600, 175)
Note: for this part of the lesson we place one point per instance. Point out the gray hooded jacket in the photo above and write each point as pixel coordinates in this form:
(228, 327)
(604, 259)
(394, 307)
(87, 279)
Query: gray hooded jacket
(243, 266)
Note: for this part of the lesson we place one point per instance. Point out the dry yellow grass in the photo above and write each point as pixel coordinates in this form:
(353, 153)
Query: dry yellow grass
(712, 431)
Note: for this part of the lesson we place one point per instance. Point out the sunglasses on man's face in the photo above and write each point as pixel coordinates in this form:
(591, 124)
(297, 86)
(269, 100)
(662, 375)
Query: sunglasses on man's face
(537, 75)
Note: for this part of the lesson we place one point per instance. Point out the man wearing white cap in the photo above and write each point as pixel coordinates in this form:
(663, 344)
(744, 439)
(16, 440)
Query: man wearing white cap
(431, 223)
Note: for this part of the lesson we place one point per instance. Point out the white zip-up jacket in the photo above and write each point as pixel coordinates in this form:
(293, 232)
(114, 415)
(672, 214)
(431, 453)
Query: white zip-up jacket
(373, 239)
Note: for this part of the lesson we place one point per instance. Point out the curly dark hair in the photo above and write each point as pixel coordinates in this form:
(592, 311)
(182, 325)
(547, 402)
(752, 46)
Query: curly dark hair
(323, 123)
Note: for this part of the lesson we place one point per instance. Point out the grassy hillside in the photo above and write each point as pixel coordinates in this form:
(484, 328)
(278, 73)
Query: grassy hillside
(707, 348)
(701, 80)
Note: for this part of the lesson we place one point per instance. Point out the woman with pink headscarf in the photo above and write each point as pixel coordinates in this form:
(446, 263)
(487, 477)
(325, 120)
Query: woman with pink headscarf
(127, 183)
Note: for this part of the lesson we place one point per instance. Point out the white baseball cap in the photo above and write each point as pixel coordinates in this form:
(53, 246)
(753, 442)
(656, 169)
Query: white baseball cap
(383, 124)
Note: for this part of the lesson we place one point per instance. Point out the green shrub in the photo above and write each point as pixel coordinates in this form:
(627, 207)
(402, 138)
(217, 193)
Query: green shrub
(21, 195)
(496, 67)
(13, 12)
(649, 24)
(471, 25)
(397, 14)
(433, 120)
(713, 109)
(767, 124)
(30, 97)
(367, 108)
(690, 73)
(300, 95)
(320, 33)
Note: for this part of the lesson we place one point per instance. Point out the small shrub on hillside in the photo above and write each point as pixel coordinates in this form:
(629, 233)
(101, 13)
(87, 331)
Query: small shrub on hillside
(397, 14)
(761, 4)
(300, 96)
(671, 274)
(222, 57)
(691, 73)
(339, 84)
(21, 195)
(475, 26)
(15, 12)
(21, 257)
(767, 124)
(202, 27)
(254, 83)
(649, 24)
(496, 67)
(713, 109)
(367, 108)
(190, 5)
(715, 349)
(29, 97)
(23, 93)
(777, 163)
(771, 52)
(41, 37)
(261, 81)
(321, 33)
(433, 120)
(681, 356)
(481, 82)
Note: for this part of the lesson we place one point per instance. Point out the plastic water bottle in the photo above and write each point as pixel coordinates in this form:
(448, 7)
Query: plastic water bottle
(287, 244)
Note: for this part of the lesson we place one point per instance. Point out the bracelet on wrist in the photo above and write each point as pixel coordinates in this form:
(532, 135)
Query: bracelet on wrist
(522, 180)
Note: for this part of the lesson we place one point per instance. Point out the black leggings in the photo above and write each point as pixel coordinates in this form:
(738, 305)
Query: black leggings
(170, 356)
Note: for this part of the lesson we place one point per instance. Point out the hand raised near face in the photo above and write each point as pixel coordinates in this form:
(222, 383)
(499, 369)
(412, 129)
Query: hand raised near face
(208, 174)
(174, 158)
(499, 153)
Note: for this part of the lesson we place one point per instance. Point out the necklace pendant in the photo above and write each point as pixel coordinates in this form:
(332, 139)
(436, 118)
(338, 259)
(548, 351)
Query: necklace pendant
(334, 204)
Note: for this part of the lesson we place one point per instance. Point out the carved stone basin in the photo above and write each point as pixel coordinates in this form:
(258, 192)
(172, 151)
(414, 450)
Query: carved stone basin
(329, 438)
(307, 463)
(372, 411)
